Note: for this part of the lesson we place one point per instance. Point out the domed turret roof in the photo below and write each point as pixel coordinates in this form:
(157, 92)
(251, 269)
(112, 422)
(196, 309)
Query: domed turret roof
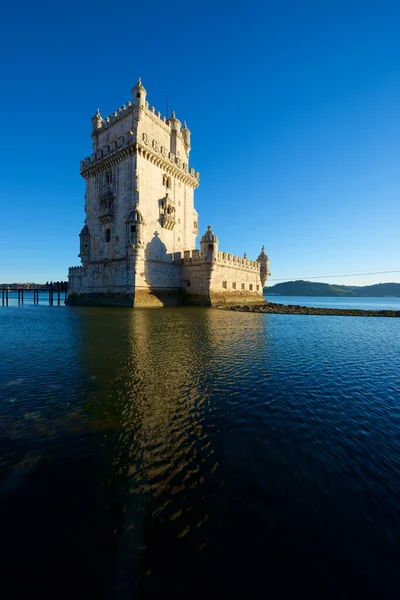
(262, 254)
(209, 236)
(139, 85)
(85, 230)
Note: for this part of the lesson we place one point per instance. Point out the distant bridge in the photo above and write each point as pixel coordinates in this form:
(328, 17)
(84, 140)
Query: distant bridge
(55, 292)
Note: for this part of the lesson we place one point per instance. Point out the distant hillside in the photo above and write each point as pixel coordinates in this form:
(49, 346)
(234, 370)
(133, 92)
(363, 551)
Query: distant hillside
(314, 288)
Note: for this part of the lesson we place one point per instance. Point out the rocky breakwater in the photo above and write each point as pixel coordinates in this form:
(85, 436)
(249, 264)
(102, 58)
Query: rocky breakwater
(293, 309)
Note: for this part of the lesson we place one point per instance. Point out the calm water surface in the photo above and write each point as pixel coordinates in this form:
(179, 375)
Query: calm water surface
(184, 453)
(338, 302)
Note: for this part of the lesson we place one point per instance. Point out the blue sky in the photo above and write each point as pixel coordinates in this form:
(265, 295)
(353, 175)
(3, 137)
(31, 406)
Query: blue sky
(293, 107)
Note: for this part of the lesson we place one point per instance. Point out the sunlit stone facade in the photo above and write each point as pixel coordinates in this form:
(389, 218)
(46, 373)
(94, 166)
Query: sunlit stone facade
(137, 246)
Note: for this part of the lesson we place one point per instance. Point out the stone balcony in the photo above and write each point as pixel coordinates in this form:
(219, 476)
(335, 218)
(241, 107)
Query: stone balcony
(168, 221)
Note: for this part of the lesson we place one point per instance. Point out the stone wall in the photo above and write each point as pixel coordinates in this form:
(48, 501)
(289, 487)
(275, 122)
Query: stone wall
(224, 279)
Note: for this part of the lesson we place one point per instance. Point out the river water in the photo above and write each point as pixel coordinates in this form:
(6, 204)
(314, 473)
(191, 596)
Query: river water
(339, 302)
(184, 453)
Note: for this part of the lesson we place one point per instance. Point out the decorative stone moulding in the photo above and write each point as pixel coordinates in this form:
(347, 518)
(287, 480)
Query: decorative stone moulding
(168, 221)
(106, 217)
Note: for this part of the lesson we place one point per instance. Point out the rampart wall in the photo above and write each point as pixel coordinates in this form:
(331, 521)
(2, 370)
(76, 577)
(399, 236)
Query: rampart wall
(225, 278)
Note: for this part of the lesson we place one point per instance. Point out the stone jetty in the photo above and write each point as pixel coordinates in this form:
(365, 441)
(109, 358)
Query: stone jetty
(294, 309)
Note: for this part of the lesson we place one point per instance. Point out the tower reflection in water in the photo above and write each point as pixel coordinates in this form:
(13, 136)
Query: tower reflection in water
(162, 380)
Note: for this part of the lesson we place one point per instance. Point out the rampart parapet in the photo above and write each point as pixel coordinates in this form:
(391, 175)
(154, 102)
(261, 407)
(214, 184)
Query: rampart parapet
(222, 258)
(131, 141)
(75, 271)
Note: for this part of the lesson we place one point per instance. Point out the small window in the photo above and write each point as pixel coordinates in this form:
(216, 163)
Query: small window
(108, 177)
(258, 288)
(242, 286)
(133, 228)
(225, 285)
(108, 235)
(138, 95)
(251, 287)
(234, 285)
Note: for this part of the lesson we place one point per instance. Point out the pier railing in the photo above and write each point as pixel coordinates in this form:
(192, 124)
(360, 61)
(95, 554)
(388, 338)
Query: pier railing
(50, 294)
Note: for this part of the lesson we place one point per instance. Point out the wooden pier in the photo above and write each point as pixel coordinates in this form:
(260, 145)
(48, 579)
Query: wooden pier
(55, 294)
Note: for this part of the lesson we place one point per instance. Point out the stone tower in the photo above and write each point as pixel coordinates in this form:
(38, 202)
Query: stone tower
(139, 204)
(137, 246)
(263, 262)
(209, 245)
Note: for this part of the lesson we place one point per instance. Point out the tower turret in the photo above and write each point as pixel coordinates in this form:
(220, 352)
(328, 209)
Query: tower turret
(263, 262)
(175, 125)
(209, 245)
(186, 137)
(138, 94)
(84, 237)
(97, 121)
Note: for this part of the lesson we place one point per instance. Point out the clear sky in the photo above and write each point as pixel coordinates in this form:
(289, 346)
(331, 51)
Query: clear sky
(293, 108)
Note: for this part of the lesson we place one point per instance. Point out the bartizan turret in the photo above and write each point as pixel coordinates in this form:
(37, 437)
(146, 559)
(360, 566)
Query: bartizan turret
(263, 262)
(84, 238)
(96, 121)
(186, 137)
(209, 245)
(175, 125)
(138, 94)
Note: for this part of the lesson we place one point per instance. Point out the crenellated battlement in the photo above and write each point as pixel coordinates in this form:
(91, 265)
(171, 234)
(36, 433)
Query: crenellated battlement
(237, 261)
(221, 258)
(146, 145)
(75, 271)
(108, 150)
(122, 111)
(160, 136)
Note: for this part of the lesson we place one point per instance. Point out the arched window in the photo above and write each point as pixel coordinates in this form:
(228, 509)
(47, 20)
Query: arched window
(107, 235)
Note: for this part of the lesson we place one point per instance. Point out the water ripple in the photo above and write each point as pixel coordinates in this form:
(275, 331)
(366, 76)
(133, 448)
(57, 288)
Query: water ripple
(230, 445)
